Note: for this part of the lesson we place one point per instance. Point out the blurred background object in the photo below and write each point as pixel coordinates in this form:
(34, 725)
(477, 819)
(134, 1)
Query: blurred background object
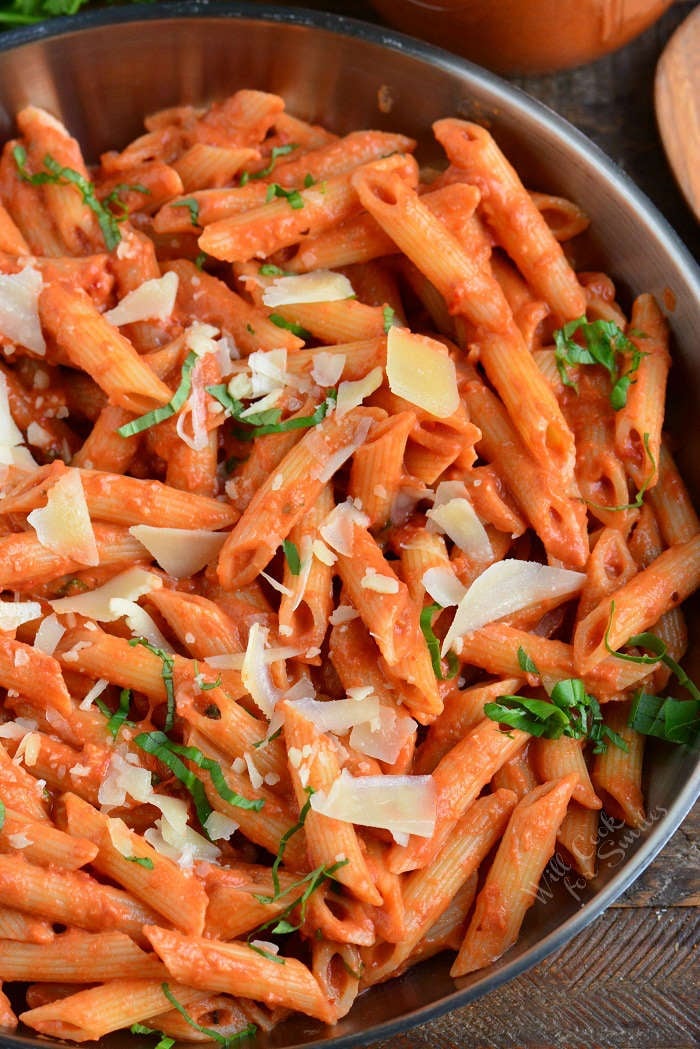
(524, 36)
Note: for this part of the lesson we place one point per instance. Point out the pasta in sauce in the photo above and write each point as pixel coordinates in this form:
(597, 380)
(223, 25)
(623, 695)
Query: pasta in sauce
(330, 491)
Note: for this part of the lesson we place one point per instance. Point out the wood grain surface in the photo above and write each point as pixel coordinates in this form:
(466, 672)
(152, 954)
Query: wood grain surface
(632, 979)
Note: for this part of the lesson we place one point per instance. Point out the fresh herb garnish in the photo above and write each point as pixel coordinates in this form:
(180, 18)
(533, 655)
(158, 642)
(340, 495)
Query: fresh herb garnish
(389, 315)
(277, 151)
(268, 422)
(72, 584)
(205, 686)
(292, 196)
(268, 739)
(166, 673)
(525, 662)
(603, 343)
(2, 814)
(296, 329)
(291, 556)
(120, 715)
(158, 415)
(200, 260)
(143, 861)
(113, 200)
(639, 499)
(223, 1040)
(192, 206)
(56, 174)
(163, 748)
(279, 925)
(165, 1041)
(426, 625)
(268, 269)
(571, 712)
(669, 718)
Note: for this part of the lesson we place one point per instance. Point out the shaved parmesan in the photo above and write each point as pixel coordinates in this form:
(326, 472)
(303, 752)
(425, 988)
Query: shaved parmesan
(343, 614)
(268, 371)
(351, 394)
(17, 729)
(333, 464)
(338, 715)
(124, 779)
(420, 370)
(458, 520)
(153, 300)
(183, 849)
(276, 585)
(139, 622)
(381, 584)
(19, 841)
(507, 587)
(305, 561)
(90, 696)
(399, 804)
(384, 738)
(48, 635)
(200, 338)
(64, 525)
(120, 836)
(323, 553)
(10, 434)
(15, 613)
(339, 526)
(179, 551)
(219, 826)
(255, 672)
(28, 750)
(317, 286)
(443, 586)
(19, 310)
(97, 604)
(328, 367)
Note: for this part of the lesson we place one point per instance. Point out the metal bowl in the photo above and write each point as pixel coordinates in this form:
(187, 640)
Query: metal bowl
(101, 71)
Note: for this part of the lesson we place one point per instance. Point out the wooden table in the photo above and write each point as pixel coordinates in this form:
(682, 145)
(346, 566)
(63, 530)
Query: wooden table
(632, 979)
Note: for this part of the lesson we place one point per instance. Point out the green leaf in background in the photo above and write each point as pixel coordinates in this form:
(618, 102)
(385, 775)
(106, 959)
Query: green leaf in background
(27, 12)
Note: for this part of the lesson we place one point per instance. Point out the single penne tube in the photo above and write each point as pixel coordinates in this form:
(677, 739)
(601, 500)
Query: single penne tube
(26, 563)
(287, 495)
(617, 773)
(63, 767)
(8, 1019)
(672, 504)
(37, 676)
(104, 449)
(326, 838)
(463, 709)
(459, 778)
(112, 956)
(638, 604)
(638, 423)
(203, 166)
(70, 897)
(514, 217)
(92, 1013)
(343, 320)
(212, 1012)
(159, 882)
(610, 566)
(428, 892)
(342, 918)
(516, 774)
(94, 345)
(564, 218)
(336, 968)
(578, 836)
(512, 880)
(235, 909)
(235, 968)
(380, 457)
(555, 758)
(43, 844)
(305, 608)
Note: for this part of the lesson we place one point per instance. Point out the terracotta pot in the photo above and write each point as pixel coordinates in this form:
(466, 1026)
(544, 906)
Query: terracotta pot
(526, 36)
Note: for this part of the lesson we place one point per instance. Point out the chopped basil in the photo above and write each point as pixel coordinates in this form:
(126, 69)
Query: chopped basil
(309, 180)
(669, 718)
(296, 329)
(279, 926)
(223, 1040)
(292, 196)
(2, 814)
(120, 715)
(525, 662)
(269, 270)
(603, 343)
(277, 151)
(166, 673)
(426, 625)
(205, 686)
(143, 861)
(268, 422)
(192, 206)
(72, 584)
(389, 316)
(571, 712)
(268, 739)
(200, 260)
(61, 176)
(158, 744)
(165, 1041)
(113, 199)
(158, 415)
(292, 556)
(283, 845)
(265, 954)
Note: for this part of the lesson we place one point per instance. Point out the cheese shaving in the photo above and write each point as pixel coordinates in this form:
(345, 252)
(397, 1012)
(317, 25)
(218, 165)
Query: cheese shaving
(19, 309)
(399, 804)
(338, 527)
(420, 370)
(352, 394)
(179, 551)
(507, 587)
(97, 604)
(379, 583)
(15, 613)
(338, 715)
(316, 286)
(384, 737)
(49, 634)
(64, 525)
(327, 368)
(255, 672)
(443, 586)
(153, 300)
